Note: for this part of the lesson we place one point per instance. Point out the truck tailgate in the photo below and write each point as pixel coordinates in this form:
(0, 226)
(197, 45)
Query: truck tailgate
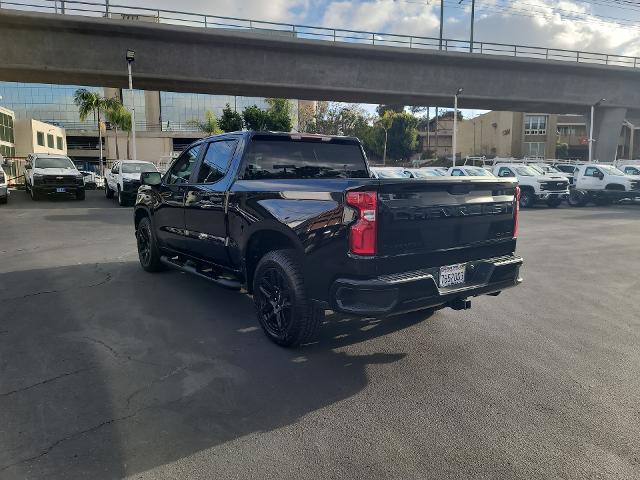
(434, 222)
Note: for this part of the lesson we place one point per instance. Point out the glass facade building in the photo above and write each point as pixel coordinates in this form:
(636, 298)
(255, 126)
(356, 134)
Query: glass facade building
(179, 109)
(44, 102)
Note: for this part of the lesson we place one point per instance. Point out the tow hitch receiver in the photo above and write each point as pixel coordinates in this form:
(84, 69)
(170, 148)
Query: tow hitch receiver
(460, 304)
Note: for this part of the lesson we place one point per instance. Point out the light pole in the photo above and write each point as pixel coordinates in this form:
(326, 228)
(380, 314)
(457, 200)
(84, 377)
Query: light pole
(591, 139)
(131, 55)
(455, 123)
(441, 21)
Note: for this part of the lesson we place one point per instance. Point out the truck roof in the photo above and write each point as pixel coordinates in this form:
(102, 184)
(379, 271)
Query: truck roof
(292, 135)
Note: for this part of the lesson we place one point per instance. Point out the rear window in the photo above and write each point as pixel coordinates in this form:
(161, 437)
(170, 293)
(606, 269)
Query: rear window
(283, 157)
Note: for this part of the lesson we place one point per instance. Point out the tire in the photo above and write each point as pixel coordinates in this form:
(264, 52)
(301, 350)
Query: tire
(279, 296)
(554, 203)
(577, 198)
(35, 196)
(148, 252)
(527, 198)
(121, 199)
(80, 194)
(107, 191)
(4, 200)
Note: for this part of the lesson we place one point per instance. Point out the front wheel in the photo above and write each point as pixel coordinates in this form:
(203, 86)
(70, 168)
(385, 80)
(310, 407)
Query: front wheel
(148, 251)
(577, 198)
(107, 191)
(527, 199)
(121, 200)
(35, 196)
(282, 307)
(80, 195)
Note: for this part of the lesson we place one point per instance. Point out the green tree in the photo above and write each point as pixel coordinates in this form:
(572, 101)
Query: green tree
(381, 109)
(403, 136)
(254, 118)
(278, 115)
(91, 103)
(562, 150)
(230, 121)
(208, 126)
(385, 122)
(118, 116)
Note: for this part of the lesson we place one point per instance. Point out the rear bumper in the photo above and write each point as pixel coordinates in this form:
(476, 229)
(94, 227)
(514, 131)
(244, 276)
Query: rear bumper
(408, 291)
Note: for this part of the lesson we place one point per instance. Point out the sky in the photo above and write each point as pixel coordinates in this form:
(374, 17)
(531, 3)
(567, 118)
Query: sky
(607, 26)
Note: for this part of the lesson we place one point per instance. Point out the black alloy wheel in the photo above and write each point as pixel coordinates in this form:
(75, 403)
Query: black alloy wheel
(274, 301)
(147, 249)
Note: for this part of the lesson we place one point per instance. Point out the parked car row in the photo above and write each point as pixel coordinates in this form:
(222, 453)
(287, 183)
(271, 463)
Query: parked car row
(540, 182)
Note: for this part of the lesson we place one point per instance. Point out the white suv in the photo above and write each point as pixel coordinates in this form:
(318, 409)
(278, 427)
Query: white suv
(534, 187)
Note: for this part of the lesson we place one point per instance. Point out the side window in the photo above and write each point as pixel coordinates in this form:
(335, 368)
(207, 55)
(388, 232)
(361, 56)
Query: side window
(632, 171)
(114, 169)
(457, 173)
(216, 161)
(591, 172)
(505, 172)
(183, 166)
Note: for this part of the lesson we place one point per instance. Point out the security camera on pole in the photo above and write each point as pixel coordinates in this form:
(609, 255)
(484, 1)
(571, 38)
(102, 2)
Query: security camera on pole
(455, 123)
(130, 59)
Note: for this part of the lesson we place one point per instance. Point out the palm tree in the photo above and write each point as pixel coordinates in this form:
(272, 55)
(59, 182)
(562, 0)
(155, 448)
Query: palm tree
(91, 102)
(117, 115)
(209, 126)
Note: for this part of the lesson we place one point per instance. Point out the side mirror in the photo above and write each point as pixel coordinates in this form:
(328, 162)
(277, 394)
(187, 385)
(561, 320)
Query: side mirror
(27, 166)
(152, 179)
(601, 176)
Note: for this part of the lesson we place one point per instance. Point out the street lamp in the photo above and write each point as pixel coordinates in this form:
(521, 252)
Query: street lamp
(591, 139)
(455, 123)
(131, 56)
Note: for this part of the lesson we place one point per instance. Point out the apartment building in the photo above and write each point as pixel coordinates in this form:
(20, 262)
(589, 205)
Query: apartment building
(517, 134)
(33, 136)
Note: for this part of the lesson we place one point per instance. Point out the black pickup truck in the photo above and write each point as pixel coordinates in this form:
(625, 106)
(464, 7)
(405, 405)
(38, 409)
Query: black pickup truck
(296, 221)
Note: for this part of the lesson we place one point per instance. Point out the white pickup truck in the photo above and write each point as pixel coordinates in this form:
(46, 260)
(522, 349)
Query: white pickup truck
(602, 184)
(123, 179)
(534, 186)
(48, 174)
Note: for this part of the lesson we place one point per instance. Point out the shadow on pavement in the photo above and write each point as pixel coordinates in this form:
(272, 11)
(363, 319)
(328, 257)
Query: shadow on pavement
(109, 371)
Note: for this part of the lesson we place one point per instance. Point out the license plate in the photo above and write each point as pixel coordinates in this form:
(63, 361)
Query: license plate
(61, 190)
(452, 275)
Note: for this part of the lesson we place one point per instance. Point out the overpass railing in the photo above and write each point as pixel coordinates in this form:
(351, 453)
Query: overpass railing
(106, 9)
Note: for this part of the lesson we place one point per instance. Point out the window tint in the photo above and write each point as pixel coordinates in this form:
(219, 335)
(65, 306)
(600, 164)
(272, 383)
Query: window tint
(285, 157)
(40, 138)
(216, 161)
(457, 173)
(183, 166)
(632, 171)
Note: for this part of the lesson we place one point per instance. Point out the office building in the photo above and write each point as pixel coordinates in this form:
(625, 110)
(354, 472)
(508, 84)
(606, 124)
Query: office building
(33, 136)
(7, 133)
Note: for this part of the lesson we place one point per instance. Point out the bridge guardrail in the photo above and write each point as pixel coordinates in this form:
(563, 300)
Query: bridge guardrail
(106, 9)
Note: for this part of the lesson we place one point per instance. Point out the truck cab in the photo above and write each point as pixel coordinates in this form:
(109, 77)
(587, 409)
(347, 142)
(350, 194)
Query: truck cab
(534, 186)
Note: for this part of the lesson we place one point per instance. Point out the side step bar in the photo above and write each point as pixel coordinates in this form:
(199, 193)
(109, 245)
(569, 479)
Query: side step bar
(189, 266)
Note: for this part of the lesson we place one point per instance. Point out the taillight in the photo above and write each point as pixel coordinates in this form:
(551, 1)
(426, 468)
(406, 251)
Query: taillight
(516, 212)
(363, 232)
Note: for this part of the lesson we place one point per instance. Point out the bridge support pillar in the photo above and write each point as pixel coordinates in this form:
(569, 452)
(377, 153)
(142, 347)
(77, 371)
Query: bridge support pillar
(607, 125)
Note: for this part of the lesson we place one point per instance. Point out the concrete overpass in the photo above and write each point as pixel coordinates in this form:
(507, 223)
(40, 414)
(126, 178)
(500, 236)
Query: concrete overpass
(67, 49)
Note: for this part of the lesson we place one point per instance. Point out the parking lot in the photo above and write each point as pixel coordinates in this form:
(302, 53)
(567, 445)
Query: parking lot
(109, 372)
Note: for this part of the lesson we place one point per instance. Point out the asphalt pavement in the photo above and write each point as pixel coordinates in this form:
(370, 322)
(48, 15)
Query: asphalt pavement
(108, 372)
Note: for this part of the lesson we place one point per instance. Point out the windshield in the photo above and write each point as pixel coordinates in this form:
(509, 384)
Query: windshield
(54, 162)
(389, 173)
(138, 167)
(424, 173)
(611, 170)
(526, 171)
(541, 170)
(478, 172)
